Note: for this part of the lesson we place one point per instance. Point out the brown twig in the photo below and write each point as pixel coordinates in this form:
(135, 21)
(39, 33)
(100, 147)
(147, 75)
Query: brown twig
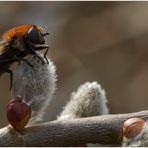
(105, 129)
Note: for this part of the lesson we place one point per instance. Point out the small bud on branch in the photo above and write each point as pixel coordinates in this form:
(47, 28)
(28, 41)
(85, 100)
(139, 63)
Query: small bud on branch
(18, 113)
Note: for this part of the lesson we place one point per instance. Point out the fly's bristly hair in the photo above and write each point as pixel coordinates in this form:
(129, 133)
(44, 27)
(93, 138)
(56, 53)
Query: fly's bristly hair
(20, 41)
(35, 85)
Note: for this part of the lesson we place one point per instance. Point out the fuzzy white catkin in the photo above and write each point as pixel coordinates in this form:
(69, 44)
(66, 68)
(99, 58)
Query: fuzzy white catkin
(35, 85)
(89, 100)
(140, 140)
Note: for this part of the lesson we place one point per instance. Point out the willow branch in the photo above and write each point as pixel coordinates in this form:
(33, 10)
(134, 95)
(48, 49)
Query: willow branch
(105, 129)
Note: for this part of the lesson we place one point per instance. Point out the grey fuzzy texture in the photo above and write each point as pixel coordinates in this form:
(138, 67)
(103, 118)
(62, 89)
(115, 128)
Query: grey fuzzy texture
(35, 85)
(89, 100)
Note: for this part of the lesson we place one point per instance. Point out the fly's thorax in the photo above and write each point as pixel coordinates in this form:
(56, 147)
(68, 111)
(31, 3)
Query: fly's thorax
(19, 44)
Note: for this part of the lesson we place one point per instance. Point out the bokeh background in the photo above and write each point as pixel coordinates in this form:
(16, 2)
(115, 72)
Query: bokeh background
(89, 41)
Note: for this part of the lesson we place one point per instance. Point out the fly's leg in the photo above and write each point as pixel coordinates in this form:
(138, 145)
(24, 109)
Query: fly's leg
(42, 47)
(33, 52)
(11, 77)
(32, 49)
(46, 56)
(21, 59)
(27, 62)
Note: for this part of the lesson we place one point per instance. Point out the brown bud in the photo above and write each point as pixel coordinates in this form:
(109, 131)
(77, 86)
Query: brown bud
(18, 113)
(132, 127)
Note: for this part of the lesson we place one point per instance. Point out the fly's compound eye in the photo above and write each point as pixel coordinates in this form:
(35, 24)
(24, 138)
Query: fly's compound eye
(35, 36)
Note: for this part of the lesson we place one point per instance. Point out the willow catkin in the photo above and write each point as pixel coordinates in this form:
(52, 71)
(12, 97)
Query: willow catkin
(35, 85)
(89, 100)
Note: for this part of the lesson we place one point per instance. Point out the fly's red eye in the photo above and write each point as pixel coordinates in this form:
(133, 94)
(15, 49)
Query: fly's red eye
(35, 36)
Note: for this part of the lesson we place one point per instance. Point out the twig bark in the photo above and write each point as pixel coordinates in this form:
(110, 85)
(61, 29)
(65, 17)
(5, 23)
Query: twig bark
(105, 129)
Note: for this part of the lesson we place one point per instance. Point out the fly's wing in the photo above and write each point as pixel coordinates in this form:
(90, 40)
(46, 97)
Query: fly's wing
(5, 54)
(3, 46)
(3, 51)
(3, 42)
(4, 62)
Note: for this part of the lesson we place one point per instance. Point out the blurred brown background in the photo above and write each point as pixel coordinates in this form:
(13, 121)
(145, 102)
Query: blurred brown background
(89, 41)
